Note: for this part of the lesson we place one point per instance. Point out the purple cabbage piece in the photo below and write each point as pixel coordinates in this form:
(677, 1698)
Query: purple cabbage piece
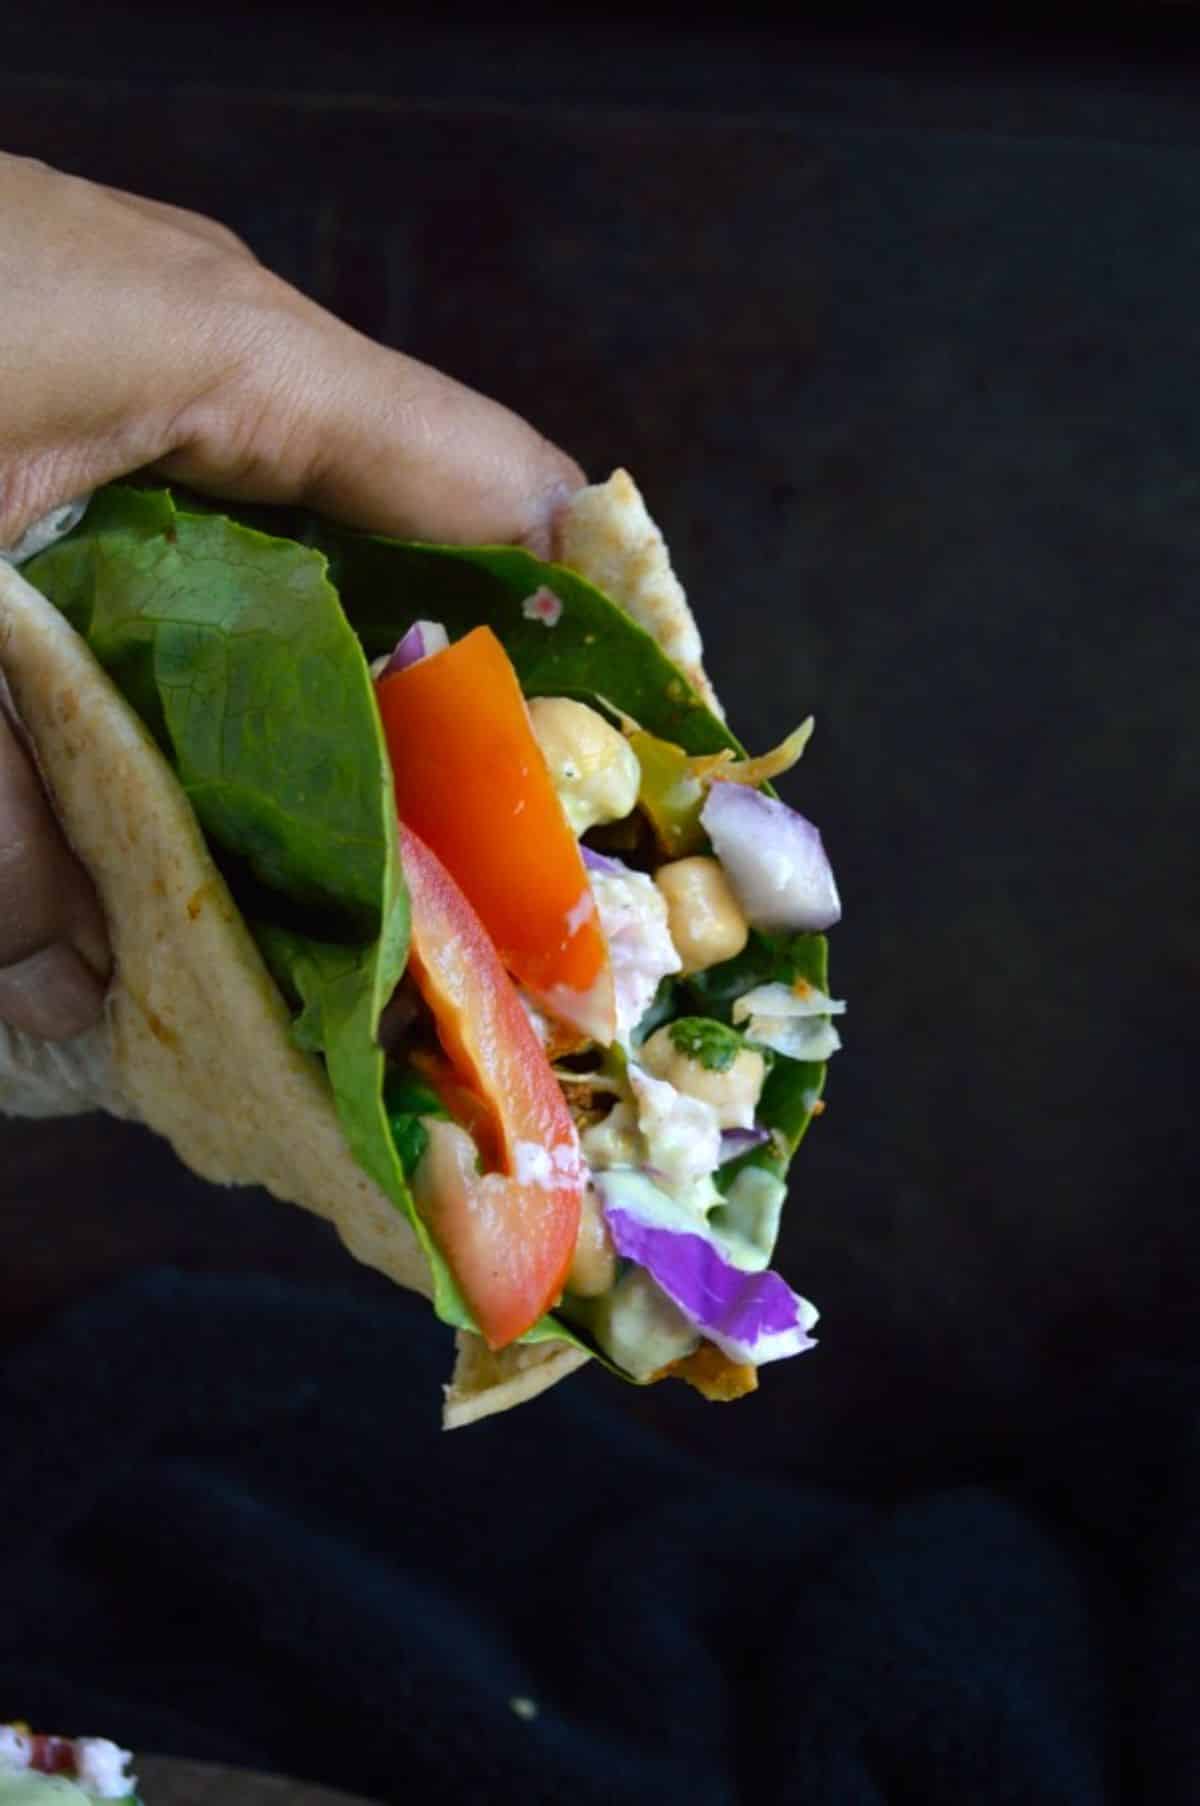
(751, 1317)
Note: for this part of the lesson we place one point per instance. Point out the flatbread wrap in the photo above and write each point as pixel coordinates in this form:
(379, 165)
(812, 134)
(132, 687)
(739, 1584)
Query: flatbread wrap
(444, 904)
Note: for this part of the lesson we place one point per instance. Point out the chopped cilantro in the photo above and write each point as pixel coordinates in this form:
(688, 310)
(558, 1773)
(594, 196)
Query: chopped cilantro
(709, 1043)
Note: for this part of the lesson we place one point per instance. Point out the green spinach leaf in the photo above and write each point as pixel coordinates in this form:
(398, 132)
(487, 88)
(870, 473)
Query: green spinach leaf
(594, 650)
(234, 649)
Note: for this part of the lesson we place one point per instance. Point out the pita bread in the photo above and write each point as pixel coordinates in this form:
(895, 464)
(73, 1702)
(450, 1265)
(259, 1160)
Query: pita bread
(196, 1039)
(609, 538)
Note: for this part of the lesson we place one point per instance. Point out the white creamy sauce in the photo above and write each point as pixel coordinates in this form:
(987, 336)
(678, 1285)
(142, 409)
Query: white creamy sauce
(633, 920)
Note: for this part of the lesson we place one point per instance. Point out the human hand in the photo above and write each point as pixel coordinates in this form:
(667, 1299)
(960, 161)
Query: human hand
(135, 335)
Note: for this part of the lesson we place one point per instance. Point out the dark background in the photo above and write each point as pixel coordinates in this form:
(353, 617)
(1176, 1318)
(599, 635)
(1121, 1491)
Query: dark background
(901, 340)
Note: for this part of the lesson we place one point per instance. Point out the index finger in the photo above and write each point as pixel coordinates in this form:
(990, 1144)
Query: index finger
(312, 412)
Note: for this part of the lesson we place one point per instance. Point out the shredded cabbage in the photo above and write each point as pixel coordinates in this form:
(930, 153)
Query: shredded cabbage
(790, 1019)
(750, 1316)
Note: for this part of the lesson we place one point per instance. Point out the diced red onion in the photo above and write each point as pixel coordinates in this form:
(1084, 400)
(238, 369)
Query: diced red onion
(599, 862)
(736, 1142)
(422, 639)
(773, 858)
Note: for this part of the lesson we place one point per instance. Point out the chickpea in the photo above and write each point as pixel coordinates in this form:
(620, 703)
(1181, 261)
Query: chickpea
(594, 1264)
(732, 1095)
(707, 924)
(594, 768)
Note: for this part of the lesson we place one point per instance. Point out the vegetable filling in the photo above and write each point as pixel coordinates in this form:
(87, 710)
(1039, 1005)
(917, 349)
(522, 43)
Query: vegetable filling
(560, 949)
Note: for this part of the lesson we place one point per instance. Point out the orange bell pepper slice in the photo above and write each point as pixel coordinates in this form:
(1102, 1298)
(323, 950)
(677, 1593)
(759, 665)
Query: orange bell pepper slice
(472, 782)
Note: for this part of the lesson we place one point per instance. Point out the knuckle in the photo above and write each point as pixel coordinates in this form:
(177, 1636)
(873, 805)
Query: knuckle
(217, 233)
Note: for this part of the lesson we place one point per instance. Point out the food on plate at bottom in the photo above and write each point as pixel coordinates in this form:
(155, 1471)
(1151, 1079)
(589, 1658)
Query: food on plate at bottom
(444, 903)
(36, 1770)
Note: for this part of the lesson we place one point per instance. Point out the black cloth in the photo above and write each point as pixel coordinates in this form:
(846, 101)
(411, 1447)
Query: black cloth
(232, 1529)
(907, 364)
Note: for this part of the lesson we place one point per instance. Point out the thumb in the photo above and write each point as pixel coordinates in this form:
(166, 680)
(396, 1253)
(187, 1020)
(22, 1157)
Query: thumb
(313, 413)
(53, 951)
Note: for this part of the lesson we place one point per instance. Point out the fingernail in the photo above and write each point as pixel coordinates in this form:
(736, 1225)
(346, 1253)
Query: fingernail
(544, 539)
(53, 994)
